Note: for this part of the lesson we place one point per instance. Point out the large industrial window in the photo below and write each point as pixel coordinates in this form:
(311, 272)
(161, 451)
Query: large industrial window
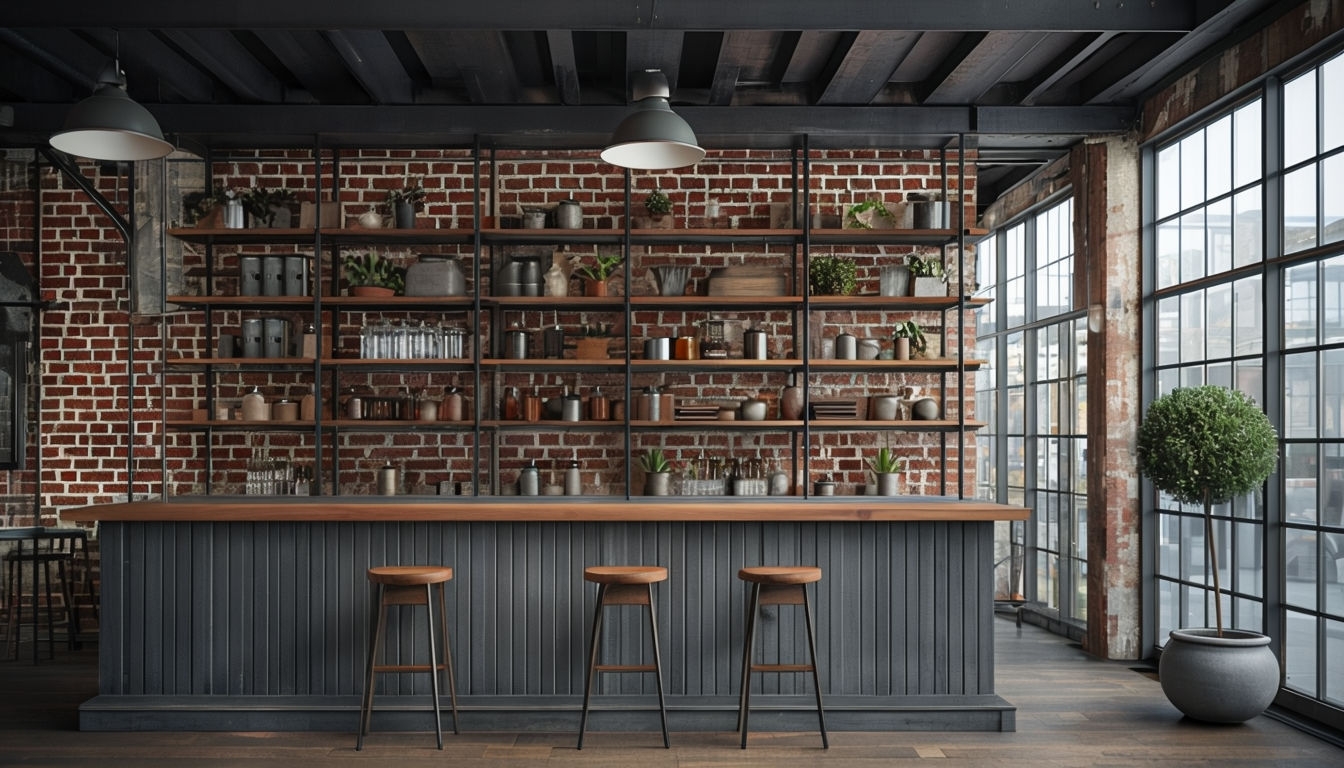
(1249, 293)
(1032, 395)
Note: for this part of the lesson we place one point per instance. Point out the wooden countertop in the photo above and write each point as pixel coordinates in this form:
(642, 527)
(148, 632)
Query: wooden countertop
(548, 509)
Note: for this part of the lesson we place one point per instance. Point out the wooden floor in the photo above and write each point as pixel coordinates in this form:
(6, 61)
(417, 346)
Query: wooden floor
(1072, 711)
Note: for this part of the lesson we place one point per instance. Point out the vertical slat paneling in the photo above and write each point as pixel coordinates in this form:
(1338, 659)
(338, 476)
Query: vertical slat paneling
(282, 608)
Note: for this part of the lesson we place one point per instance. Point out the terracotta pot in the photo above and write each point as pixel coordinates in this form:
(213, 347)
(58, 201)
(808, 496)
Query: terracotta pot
(591, 347)
(902, 348)
(594, 287)
(371, 290)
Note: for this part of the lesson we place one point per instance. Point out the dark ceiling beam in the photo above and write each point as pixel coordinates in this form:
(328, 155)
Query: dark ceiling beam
(910, 15)
(982, 66)
(545, 125)
(220, 52)
(78, 63)
(154, 58)
(486, 66)
(564, 68)
(735, 52)
(1107, 80)
(31, 82)
(1069, 59)
(654, 50)
(374, 65)
(308, 56)
(866, 67)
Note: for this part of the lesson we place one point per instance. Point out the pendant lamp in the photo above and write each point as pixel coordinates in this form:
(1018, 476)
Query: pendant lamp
(109, 125)
(652, 137)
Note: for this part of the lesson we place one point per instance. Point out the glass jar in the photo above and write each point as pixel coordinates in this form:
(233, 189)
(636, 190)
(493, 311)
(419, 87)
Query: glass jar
(713, 346)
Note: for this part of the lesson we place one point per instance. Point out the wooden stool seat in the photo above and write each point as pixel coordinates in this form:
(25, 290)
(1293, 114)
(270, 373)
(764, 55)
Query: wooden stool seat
(780, 574)
(408, 585)
(778, 585)
(410, 575)
(624, 574)
(623, 585)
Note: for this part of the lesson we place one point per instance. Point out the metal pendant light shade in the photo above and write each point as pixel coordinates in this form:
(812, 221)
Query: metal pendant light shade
(109, 125)
(653, 137)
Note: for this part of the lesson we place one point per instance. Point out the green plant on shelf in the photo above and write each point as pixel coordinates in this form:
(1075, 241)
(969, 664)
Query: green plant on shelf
(861, 215)
(601, 267)
(832, 276)
(263, 203)
(925, 267)
(412, 193)
(909, 329)
(373, 270)
(885, 462)
(658, 203)
(654, 461)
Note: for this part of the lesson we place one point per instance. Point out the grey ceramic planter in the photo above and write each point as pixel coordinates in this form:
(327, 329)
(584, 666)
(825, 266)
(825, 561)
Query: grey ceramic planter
(1227, 679)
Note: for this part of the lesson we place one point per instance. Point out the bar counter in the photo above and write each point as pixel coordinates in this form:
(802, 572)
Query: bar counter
(242, 613)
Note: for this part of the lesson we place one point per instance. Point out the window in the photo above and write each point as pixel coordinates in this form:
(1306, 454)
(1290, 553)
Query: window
(1032, 395)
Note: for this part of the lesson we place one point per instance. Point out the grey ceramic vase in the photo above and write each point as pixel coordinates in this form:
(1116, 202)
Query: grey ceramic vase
(1227, 679)
(924, 409)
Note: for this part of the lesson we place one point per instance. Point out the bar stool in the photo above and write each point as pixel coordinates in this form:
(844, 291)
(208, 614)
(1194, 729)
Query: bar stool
(40, 558)
(623, 585)
(778, 585)
(402, 585)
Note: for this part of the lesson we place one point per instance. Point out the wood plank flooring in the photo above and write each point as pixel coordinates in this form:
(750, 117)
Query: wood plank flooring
(1073, 710)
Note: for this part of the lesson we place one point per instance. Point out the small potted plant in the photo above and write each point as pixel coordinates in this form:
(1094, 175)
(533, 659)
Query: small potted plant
(372, 275)
(887, 466)
(659, 208)
(657, 472)
(927, 276)
(870, 214)
(214, 209)
(831, 276)
(269, 207)
(598, 271)
(1208, 445)
(406, 201)
(908, 336)
(593, 342)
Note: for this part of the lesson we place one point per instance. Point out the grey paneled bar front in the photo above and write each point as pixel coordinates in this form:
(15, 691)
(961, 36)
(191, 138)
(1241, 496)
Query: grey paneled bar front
(262, 625)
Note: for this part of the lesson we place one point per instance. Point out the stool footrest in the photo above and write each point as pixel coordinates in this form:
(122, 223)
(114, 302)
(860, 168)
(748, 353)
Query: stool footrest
(782, 667)
(409, 667)
(625, 668)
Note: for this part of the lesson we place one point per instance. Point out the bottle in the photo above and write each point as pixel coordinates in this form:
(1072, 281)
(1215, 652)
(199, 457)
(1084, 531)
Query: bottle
(255, 407)
(354, 406)
(308, 405)
(529, 481)
(791, 401)
(387, 480)
(451, 408)
(573, 480)
(508, 409)
(571, 406)
(426, 408)
(599, 407)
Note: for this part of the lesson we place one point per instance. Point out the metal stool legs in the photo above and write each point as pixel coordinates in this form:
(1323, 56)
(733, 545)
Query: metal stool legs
(385, 595)
(623, 594)
(777, 594)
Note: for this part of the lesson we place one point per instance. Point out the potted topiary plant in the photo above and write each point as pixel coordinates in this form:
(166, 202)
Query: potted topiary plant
(657, 472)
(269, 207)
(887, 466)
(908, 336)
(1208, 445)
(870, 214)
(831, 276)
(406, 201)
(372, 275)
(597, 272)
(927, 276)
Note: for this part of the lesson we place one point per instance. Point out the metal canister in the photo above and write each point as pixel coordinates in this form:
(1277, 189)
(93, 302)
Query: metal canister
(249, 275)
(846, 347)
(275, 342)
(529, 481)
(753, 344)
(515, 343)
(553, 342)
(296, 275)
(658, 349)
(253, 337)
(571, 407)
(273, 276)
(387, 480)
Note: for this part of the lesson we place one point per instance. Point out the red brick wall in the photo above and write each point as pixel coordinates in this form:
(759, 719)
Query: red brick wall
(84, 441)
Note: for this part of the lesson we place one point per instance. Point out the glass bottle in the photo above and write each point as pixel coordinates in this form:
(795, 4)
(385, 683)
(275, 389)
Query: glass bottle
(508, 408)
(573, 480)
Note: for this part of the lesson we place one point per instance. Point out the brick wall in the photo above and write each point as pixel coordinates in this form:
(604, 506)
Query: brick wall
(86, 339)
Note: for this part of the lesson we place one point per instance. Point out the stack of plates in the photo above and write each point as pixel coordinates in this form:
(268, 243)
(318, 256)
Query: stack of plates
(696, 412)
(834, 409)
